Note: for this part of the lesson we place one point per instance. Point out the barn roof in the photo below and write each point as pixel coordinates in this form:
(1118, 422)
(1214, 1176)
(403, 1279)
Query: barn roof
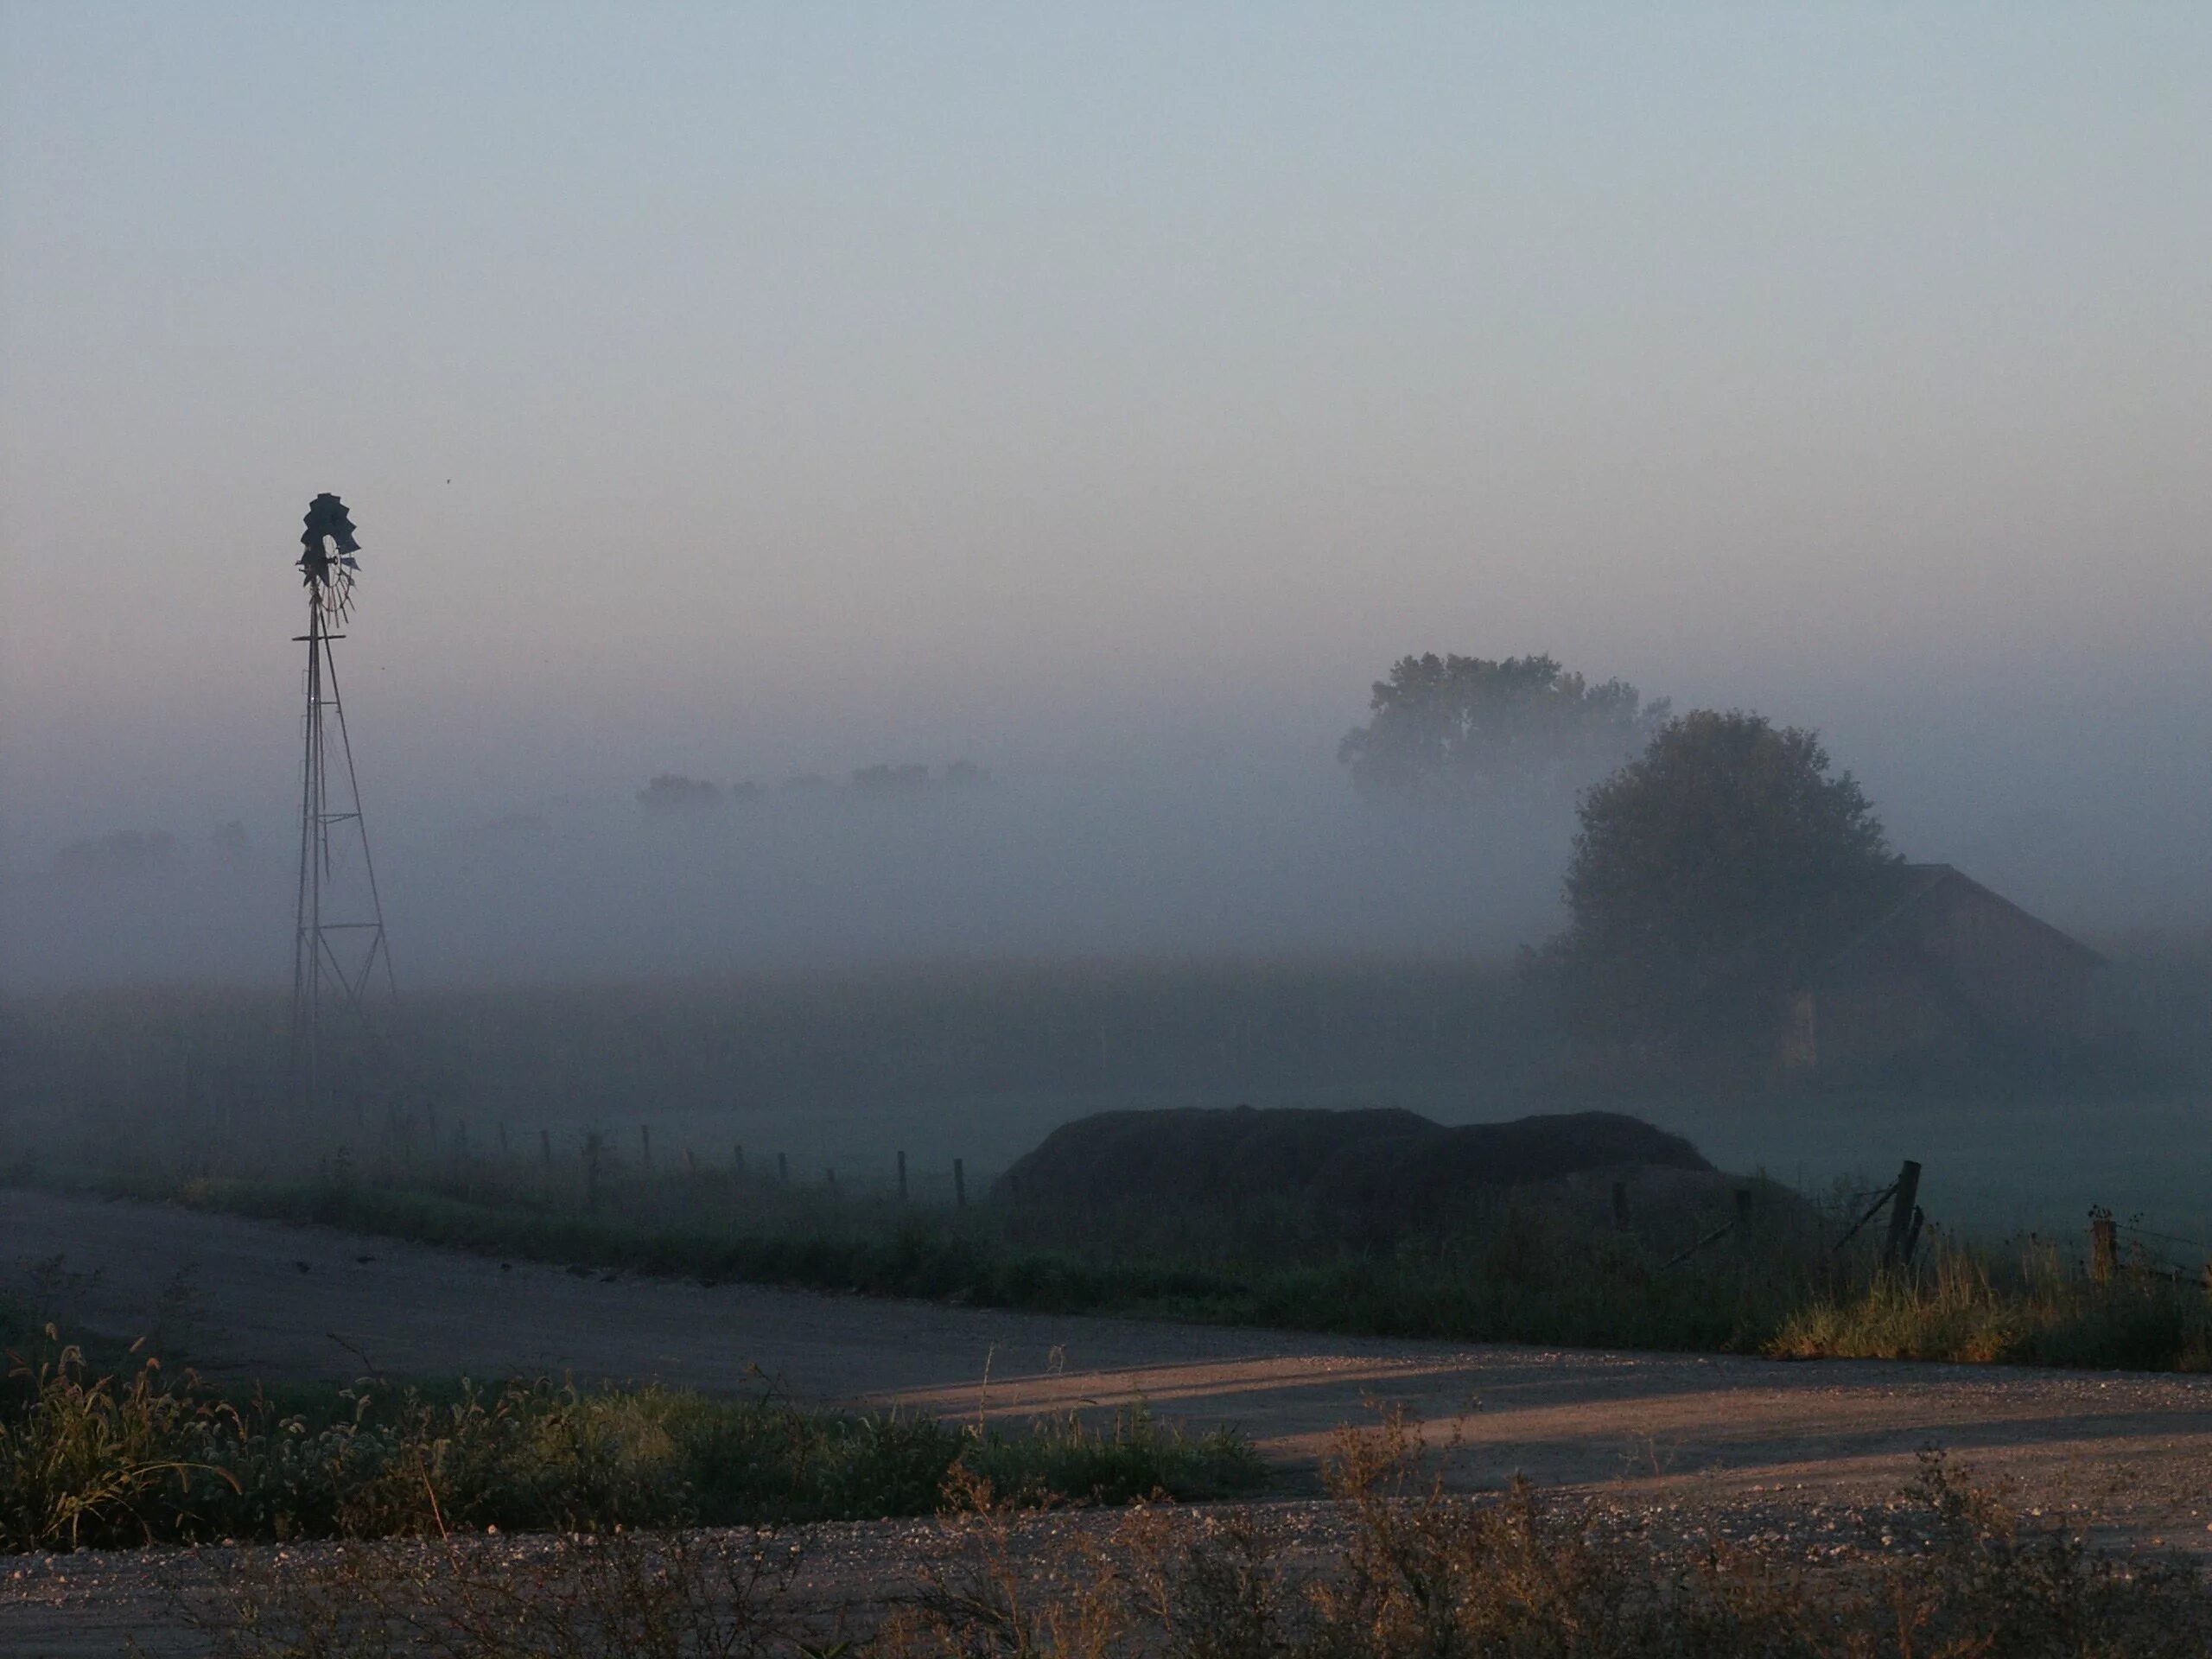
(1910, 886)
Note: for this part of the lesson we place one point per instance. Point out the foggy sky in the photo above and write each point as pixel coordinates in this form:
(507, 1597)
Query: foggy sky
(1107, 397)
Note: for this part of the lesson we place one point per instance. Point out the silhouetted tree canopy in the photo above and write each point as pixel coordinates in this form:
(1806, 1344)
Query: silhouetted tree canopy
(1709, 873)
(1502, 730)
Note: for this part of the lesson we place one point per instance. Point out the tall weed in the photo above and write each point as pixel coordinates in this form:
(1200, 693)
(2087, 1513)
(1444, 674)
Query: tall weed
(89, 1459)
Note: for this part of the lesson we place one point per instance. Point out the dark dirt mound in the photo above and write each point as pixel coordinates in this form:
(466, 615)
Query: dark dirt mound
(1383, 1165)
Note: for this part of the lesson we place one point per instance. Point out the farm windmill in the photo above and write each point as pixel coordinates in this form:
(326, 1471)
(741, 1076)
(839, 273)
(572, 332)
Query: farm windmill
(336, 956)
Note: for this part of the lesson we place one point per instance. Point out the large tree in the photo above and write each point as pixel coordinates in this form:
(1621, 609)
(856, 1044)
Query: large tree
(1466, 727)
(1709, 874)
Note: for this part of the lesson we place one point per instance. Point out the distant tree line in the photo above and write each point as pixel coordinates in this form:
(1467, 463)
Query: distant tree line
(674, 795)
(123, 853)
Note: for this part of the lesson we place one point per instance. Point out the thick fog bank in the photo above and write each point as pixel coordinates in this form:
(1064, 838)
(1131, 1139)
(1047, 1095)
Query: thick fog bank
(1231, 830)
(827, 874)
(816, 875)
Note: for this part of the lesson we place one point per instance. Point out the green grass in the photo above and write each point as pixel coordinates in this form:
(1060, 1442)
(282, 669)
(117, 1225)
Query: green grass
(1508, 1276)
(91, 1456)
(1508, 1272)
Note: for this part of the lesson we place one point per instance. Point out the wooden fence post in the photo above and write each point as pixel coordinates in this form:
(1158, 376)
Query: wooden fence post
(1900, 1208)
(2104, 1247)
(959, 1185)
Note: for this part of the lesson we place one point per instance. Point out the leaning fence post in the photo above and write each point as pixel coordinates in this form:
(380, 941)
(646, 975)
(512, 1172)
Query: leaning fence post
(959, 1185)
(1901, 1207)
(2104, 1247)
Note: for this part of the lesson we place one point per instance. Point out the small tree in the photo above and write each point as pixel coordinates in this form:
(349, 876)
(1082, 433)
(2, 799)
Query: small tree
(885, 780)
(1467, 727)
(671, 793)
(1709, 874)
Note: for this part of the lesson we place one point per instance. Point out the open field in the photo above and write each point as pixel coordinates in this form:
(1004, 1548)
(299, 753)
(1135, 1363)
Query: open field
(979, 1062)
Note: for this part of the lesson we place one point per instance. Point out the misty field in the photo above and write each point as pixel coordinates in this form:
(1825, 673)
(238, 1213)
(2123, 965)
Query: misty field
(757, 1130)
(842, 1072)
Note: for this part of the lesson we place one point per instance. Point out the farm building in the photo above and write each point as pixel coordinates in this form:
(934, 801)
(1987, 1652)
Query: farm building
(1945, 964)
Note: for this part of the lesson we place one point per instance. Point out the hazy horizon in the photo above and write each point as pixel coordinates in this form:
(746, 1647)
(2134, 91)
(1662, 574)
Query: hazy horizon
(1104, 400)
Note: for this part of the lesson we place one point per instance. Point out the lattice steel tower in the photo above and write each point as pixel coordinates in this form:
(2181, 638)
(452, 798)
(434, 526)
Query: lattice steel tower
(339, 943)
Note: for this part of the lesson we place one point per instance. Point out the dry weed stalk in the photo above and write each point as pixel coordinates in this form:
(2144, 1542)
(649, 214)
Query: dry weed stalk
(694, 1595)
(1420, 1574)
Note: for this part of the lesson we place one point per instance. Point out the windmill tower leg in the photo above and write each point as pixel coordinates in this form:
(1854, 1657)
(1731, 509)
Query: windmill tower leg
(307, 938)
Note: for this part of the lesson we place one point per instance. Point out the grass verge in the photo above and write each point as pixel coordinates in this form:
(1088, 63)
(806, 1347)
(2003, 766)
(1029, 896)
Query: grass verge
(1513, 1279)
(91, 1457)
(2037, 1309)
(1774, 1286)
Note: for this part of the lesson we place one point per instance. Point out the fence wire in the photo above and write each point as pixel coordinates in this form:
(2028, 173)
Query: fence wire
(2168, 1238)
